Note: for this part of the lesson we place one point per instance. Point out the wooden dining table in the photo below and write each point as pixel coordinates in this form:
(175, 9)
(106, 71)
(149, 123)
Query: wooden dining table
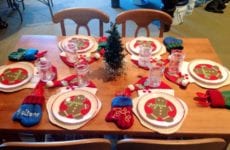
(199, 122)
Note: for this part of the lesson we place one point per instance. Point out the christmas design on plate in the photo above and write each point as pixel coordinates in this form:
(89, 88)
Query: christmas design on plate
(139, 41)
(79, 42)
(160, 109)
(15, 75)
(75, 106)
(208, 71)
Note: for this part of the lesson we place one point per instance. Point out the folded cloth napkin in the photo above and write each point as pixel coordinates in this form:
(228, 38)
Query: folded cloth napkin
(67, 81)
(173, 43)
(134, 59)
(121, 112)
(179, 79)
(214, 98)
(30, 112)
(141, 85)
(90, 58)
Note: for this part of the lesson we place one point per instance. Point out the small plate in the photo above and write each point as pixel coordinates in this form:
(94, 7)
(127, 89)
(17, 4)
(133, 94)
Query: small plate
(207, 71)
(75, 107)
(15, 75)
(145, 40)
(79, 42)
(160, 109)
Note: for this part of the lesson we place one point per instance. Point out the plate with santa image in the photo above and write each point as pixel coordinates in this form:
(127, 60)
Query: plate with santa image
(75, 107)
(136, 44)
(207, 71)
(15, 75)
(160, 109)
(80, 43)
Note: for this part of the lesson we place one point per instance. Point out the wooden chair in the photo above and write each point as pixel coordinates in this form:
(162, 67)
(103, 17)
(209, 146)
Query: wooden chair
(82, 144)
(81, 16)
(193, 144)
(144, 17)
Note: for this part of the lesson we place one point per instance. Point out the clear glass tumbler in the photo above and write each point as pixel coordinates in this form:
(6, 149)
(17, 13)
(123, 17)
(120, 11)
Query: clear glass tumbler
(155, 74)
(175, 62)
(71, 55)
(82, 71)
(44, 68)
(144, 55)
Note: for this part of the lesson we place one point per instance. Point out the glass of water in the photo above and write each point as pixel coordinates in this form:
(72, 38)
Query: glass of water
(144, 55)
(175, 62)
(156, 70)
(82, 71)
(44, 68)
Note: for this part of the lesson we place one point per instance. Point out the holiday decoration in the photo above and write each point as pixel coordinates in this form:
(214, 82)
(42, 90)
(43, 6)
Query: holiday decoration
(75, 107)
(173, 43)
(214, 98)
(90, 57)
(121, 112)
(160, 109)
(29, 54)
(67, 81)
(30, 112)
(113, 55)
(208, 72)
(179, 79)
(13, 76)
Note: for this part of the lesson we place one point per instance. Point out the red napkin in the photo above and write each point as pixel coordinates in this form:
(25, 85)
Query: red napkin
(164, 61)
(67, 81)
(179, 79)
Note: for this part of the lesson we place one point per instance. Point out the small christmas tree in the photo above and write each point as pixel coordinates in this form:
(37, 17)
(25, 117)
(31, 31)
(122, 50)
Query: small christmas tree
(113, 55)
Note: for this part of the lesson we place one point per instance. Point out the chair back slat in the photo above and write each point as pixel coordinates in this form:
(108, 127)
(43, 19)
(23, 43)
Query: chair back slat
(82, 17)
(144, 17)
(82, 144)
(193, 144)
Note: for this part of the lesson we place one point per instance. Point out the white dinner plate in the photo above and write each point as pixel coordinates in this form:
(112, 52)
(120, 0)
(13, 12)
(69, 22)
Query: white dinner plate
(15, 75)
(134, 44)
(74, 107)
(160, 109)
(79, 42)
(207, 71)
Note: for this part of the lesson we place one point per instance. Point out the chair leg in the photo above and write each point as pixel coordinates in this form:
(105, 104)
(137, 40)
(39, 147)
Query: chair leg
(21, 1)
(16, 6)
(48, 3)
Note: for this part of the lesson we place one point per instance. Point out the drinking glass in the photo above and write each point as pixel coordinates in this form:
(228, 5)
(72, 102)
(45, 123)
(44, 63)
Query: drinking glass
(71, 55)
(44, 68)
(175, 62)
(156, 70)
(82, 71)
(144, 55)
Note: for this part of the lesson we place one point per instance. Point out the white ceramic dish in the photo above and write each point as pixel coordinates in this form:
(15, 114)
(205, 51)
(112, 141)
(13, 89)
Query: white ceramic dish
(81, 108)
(23, 68)
(160, 109)
(86, 43)
(207, 71)
(155, 42)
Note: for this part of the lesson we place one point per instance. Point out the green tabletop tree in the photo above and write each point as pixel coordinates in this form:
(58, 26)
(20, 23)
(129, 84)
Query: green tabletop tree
(113, 55)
